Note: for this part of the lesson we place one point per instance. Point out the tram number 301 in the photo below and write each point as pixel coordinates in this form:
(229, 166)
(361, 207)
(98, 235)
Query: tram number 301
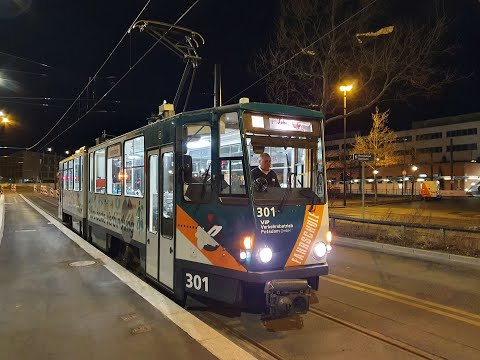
(197, 282)
(265, 211)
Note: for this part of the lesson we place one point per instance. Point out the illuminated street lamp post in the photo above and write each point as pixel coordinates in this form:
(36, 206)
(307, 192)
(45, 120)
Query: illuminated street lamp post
(67, 152)
(345, 89)
(414, 168)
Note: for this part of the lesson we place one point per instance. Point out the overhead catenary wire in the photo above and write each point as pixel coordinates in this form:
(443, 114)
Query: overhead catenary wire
(302, 50)
(91, 79)
(26, 60)
(114, 85)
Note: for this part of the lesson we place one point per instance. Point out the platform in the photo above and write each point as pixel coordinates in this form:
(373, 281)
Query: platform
(50, 309)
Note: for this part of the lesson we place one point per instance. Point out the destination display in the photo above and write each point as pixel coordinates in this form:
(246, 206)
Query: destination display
(290, 125)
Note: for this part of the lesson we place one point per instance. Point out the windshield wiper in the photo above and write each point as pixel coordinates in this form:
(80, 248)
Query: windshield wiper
(204, 185)
(313, 197)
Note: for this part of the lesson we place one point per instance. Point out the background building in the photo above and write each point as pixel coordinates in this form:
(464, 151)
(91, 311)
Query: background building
(27, 166)
(447, 149)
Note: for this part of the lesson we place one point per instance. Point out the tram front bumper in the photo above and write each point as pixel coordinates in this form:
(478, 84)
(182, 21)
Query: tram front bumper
(285, 297)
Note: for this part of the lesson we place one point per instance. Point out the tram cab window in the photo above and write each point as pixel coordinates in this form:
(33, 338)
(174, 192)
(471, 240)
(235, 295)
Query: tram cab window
(294, 168)
(114, 170)
(198, 147)
(134, 151)
(231, 156)
(320, 183)
(100, 180)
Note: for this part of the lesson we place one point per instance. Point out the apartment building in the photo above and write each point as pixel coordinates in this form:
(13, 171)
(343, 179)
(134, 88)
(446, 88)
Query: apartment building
(447, 149)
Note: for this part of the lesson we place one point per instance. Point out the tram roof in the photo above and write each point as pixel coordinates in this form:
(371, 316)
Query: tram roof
(262, 107)
(251, 106)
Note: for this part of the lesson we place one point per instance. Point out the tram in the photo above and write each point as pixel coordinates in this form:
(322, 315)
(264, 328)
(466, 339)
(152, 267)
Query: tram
(178, 194)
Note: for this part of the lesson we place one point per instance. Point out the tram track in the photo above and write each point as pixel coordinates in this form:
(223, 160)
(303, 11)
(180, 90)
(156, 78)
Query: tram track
(259, 350)
(376, 335)
(263, 352)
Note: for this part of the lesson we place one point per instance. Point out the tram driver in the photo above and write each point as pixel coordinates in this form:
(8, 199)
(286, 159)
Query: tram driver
(263, 171)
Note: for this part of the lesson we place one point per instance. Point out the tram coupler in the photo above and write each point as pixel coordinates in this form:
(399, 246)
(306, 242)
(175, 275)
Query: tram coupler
(287, 297)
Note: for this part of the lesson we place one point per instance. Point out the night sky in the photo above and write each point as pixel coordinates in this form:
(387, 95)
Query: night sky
(74, 38)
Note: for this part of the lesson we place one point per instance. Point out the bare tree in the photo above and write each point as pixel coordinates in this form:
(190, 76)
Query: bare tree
(315, 48)
(381, 142)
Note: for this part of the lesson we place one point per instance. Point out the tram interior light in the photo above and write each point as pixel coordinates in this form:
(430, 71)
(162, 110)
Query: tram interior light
(257, 121)
(266, 255)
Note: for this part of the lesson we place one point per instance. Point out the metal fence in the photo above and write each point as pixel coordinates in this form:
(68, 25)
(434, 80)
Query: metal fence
(465, 241)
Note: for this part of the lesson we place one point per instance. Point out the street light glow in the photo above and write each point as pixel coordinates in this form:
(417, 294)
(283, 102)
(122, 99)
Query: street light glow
(5, 120)
(49, 149)
(375, 172)
(346, 88)
(414, 168)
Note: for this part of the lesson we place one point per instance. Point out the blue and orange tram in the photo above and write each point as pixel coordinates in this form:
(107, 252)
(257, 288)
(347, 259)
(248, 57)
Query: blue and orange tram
(178, 194)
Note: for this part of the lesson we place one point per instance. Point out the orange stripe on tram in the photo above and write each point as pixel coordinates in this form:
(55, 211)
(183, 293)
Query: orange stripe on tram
(220, 257)
(311, 225)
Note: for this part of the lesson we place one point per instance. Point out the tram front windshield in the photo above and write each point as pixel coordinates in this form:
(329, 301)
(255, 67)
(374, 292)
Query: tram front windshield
(300, 180)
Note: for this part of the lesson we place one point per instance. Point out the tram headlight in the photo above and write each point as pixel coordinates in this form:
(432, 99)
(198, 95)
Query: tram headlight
(320, 249)
(265, 255)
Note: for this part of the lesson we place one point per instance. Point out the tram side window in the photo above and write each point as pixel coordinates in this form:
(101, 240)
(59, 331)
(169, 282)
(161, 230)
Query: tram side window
(65, 176)
(77, 174)
(92, 177)
(114, 170)
(100, 171)
(70, 175)
(231, 156)
(134, 167)
(199, 188)
(168, 185)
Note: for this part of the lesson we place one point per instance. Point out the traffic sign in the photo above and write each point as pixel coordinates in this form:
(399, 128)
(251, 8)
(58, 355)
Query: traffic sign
(363, 157)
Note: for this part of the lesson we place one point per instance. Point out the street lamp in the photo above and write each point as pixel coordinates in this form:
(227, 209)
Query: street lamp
(404, 171)
(5, 120)
(67, 152)
(345, 89)
(49, 149)
(414, 168)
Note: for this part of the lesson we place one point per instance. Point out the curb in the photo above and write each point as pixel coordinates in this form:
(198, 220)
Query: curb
(2, 216)
(434, 256)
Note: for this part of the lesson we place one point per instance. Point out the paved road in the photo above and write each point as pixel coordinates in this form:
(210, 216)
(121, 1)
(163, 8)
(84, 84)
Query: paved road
(375, 306)
(464, 212)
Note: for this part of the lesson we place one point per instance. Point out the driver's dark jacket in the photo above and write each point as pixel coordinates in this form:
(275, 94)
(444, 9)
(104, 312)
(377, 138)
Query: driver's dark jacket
(271, 177)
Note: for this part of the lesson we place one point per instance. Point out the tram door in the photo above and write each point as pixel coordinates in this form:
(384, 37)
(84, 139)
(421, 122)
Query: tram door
(167, 215)
(153, 211)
